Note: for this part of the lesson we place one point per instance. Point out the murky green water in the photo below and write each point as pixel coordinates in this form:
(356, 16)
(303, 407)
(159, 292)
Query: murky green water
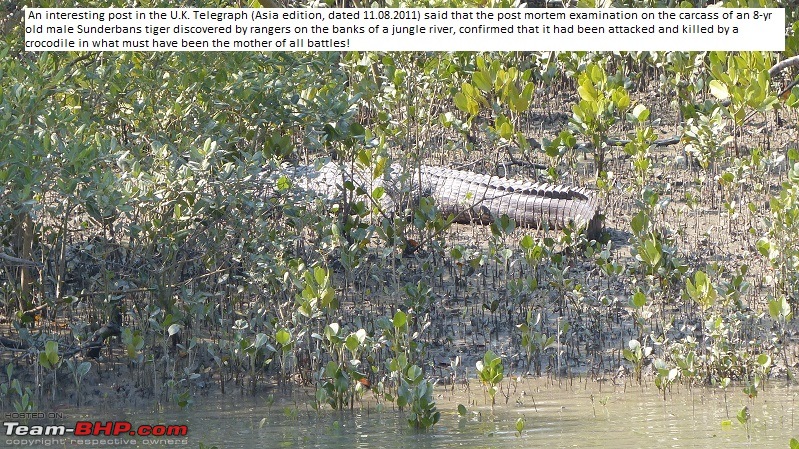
(581, 415)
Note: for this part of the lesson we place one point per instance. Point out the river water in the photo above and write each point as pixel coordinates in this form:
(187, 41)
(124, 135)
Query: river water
(557, 415)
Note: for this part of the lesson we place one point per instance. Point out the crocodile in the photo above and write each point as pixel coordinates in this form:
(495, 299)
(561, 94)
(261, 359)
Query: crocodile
(468, 196)
(477, 197)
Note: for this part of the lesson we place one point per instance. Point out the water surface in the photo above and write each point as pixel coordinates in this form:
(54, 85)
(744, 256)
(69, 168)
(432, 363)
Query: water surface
(583, 415)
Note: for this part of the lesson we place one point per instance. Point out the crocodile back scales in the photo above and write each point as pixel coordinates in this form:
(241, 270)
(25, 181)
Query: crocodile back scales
(469, 196)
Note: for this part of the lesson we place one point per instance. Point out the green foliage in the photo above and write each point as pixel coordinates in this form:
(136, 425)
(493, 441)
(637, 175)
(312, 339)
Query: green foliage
(778, 246)
(685, 75)
(744, 417)
(417, 392)
(706, 139)
(79, 370)
(12, 389)
(317, 293)
(640, 143)
(496, 87)
(779, 309)
(656, 263)
(520, 424)
(336, 385)
(49, 358)
(639, 299)
(285, 343)
(133, 344)
(744, 80)
(413, 392)
(701, 290)
(665, 375)
(419, 296)
(637, 354)
(533, 251)
(534, 341)
(603, 100)
(490, 371)
(563, 146)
